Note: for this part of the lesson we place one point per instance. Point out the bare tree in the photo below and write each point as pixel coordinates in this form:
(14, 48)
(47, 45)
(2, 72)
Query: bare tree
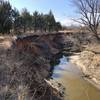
(90, 14)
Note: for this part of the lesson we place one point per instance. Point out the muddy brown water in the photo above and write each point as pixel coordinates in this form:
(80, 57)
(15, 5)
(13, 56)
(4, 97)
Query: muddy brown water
(71, 78)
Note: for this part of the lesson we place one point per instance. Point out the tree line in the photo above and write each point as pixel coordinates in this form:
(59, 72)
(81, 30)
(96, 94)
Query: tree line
(11, 20)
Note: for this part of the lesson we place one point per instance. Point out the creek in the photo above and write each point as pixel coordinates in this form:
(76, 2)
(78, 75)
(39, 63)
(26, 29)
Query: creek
(71, 78)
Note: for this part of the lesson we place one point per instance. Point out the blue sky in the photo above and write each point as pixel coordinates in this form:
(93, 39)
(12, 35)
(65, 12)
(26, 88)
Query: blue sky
(63, 10)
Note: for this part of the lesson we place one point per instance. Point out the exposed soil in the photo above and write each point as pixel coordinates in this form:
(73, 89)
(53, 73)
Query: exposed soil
(25, 63)
(25, 67)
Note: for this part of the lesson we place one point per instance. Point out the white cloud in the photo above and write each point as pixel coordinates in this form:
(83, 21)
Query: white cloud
(69, 22)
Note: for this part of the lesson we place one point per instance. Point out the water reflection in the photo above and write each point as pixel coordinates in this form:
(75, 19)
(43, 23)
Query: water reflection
(76, 87)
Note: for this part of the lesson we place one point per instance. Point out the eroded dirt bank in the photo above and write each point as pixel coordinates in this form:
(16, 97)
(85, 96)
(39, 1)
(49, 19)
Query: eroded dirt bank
(25, 67)
(85, 44)
(25, 64)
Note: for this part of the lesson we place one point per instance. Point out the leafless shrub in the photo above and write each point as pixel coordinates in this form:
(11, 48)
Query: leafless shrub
(21, 77)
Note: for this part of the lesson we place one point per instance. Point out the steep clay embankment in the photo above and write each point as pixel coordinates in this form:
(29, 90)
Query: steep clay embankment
(25, 67)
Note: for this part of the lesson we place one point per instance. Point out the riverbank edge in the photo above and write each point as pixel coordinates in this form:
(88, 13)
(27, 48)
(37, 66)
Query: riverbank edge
(74, 59)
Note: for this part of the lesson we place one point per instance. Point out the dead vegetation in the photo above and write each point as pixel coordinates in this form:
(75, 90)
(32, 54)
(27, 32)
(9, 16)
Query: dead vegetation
(23, 70)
